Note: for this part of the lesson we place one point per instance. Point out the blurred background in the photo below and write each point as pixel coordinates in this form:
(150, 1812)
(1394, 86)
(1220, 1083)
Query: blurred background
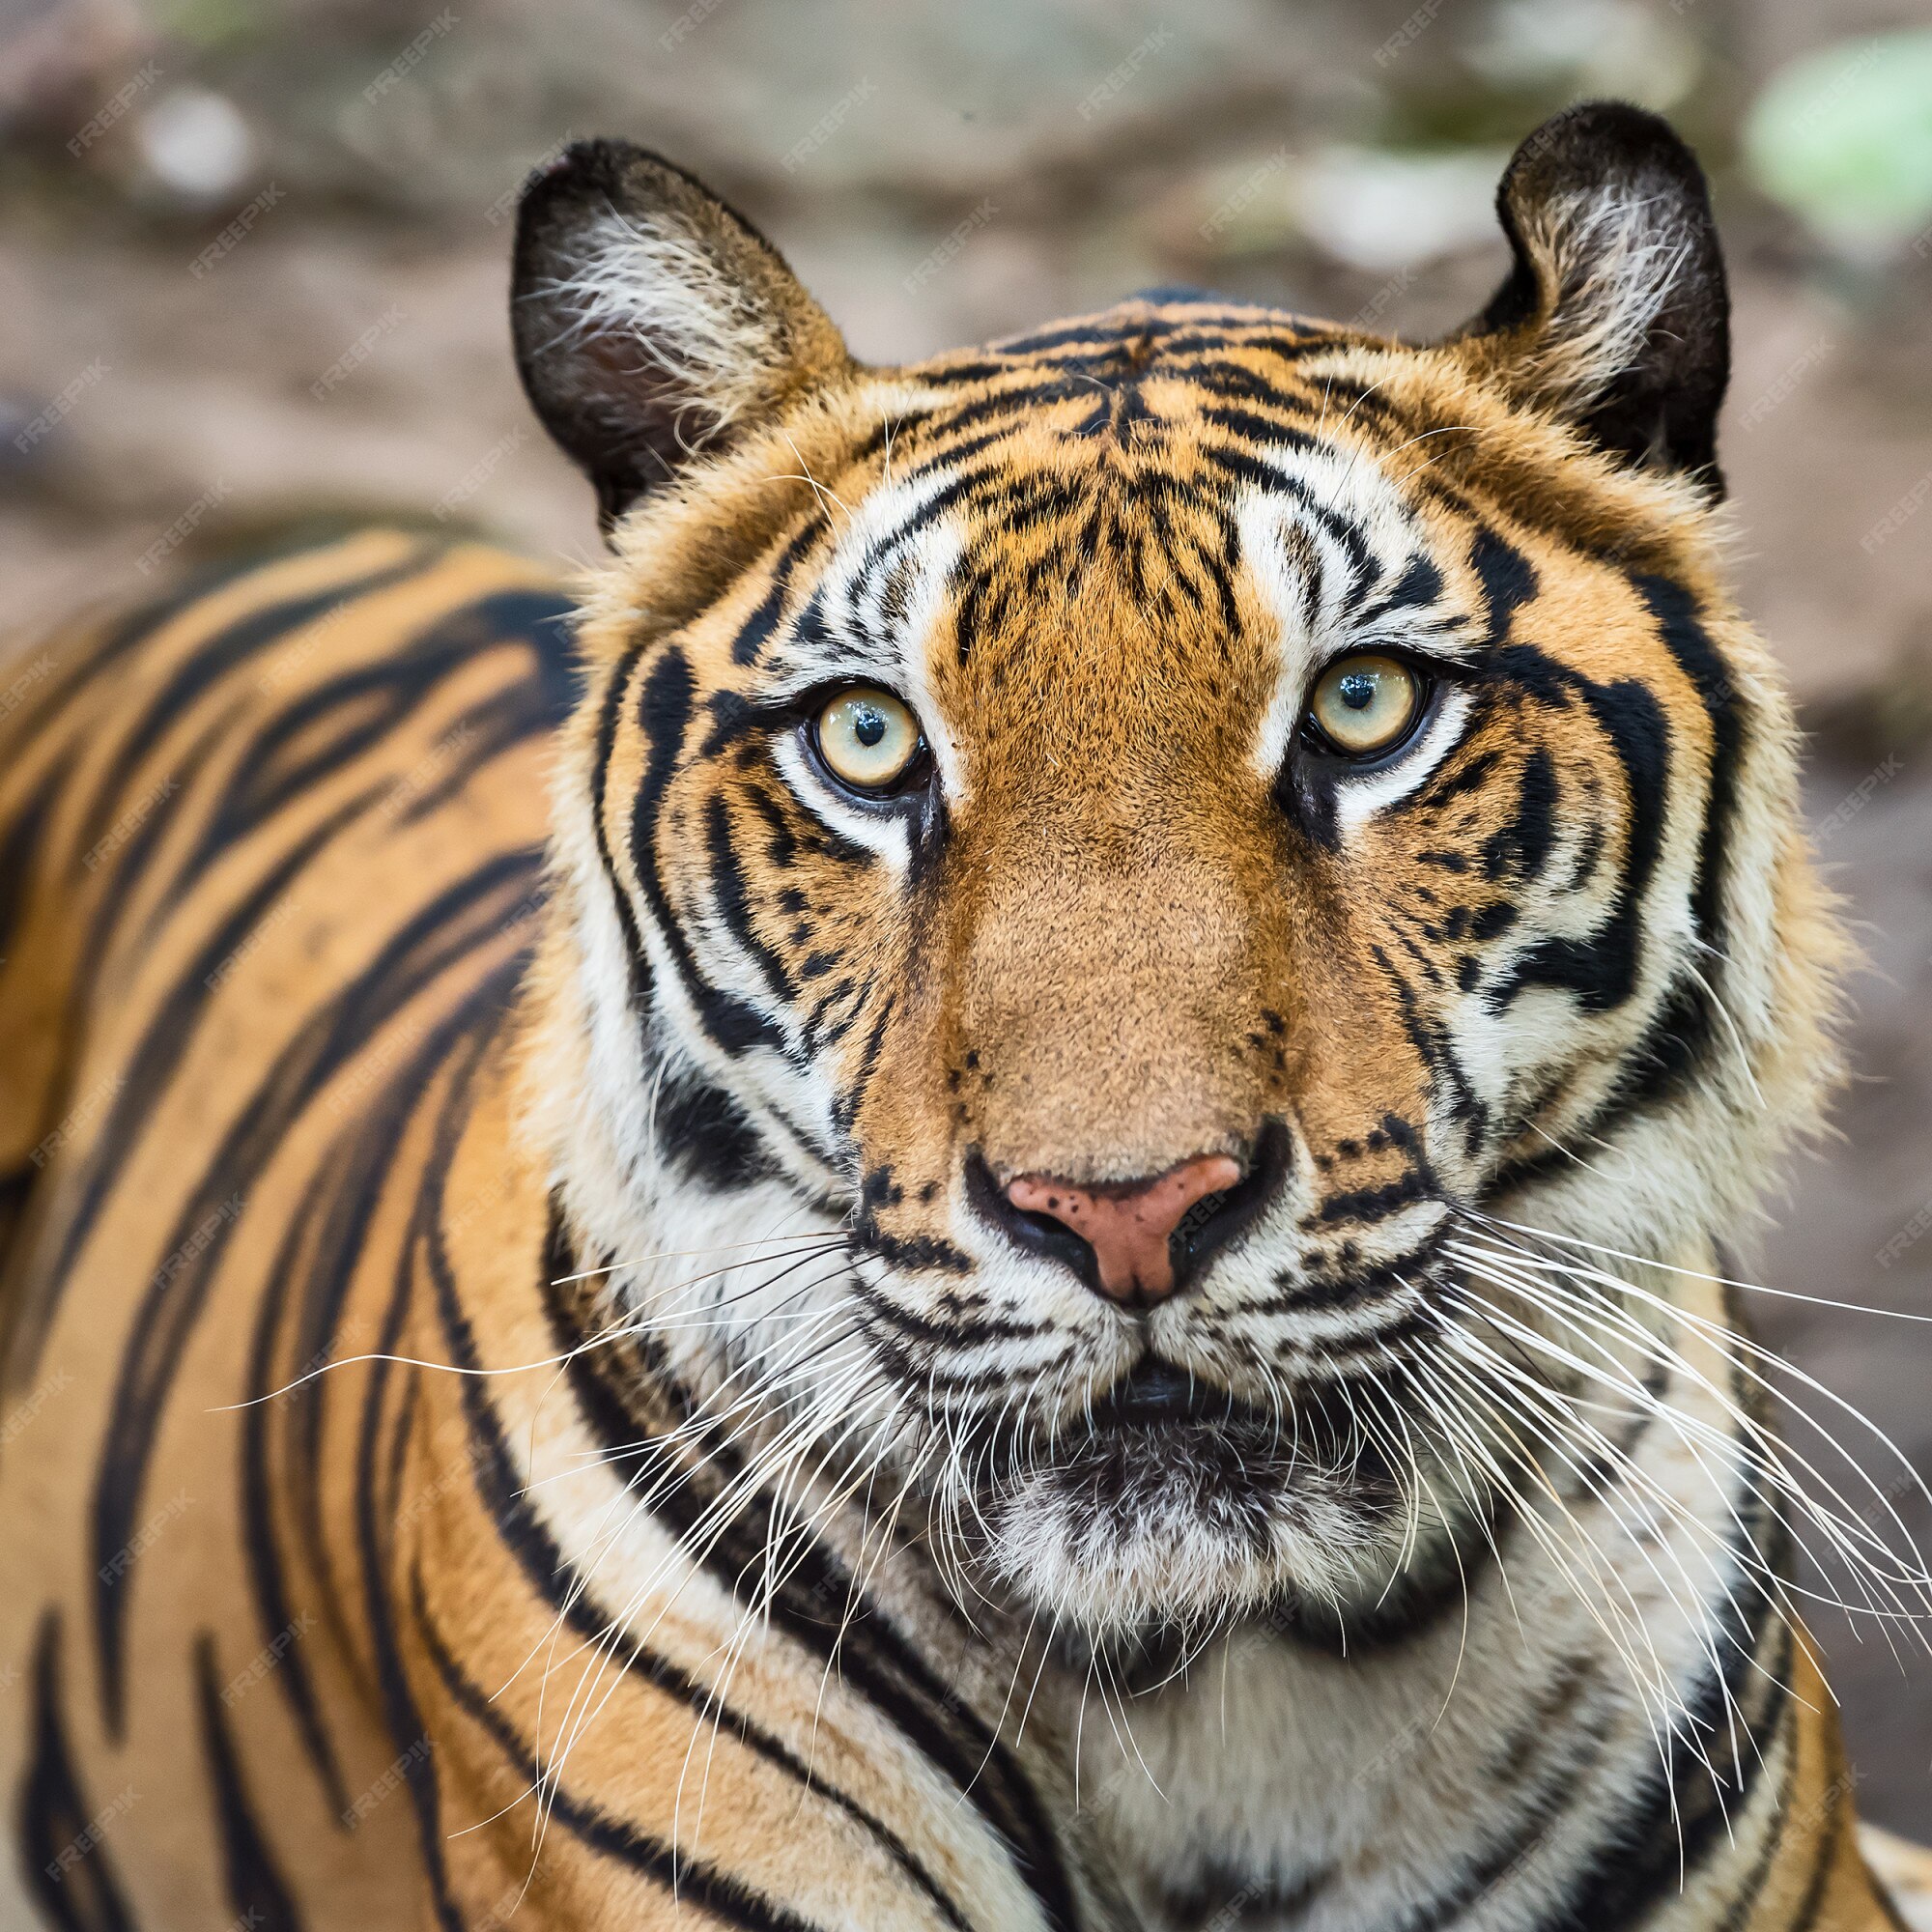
(252, 265)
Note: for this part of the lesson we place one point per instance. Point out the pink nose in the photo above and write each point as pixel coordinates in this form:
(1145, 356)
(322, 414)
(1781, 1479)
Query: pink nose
(1129, 1224)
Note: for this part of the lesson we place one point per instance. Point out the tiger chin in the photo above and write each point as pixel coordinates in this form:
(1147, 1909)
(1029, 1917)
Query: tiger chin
(993, 1195)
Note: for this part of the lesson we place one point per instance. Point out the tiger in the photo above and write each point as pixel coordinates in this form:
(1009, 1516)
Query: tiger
(995, 1192)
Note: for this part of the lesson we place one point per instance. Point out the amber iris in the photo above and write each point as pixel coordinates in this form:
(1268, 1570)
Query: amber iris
(1366, 703)
(868, 738)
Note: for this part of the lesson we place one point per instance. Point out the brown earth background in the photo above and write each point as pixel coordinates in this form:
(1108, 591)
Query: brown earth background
(252, 276)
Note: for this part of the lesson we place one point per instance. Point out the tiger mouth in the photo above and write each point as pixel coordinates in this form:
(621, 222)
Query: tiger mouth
(1156, 1396)
(1160, 1425)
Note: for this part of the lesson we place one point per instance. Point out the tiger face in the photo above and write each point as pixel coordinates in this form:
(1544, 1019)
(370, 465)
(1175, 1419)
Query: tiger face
(1133, 847)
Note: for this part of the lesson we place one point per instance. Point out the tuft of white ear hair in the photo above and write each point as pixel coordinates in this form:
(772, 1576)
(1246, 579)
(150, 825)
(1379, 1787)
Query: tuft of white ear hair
(1613, 257)
(651, 320)
(702, 336)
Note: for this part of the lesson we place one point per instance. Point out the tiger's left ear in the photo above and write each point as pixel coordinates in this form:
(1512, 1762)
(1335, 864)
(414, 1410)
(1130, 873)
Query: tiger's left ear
(1615, 315)
(653, 324)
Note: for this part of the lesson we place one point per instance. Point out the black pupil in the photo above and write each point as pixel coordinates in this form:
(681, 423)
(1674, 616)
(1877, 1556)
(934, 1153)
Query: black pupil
(1357, 689)
(868, 725)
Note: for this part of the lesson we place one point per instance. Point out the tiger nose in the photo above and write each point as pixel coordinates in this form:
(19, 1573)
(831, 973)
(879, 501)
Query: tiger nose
(1129, 1225)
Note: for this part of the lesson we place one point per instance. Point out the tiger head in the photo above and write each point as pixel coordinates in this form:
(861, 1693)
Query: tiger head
(1095, 874)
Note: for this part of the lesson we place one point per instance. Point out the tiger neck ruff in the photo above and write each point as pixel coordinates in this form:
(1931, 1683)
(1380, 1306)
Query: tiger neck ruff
(1048, 1252)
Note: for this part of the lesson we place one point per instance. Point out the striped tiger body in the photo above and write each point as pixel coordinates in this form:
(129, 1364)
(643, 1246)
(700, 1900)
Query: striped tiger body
(926, 1214)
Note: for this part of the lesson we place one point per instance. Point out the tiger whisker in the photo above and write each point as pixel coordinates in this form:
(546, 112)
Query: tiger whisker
(615, 1332)
(1763, 1454)
(1622, 1464)
(1654, 1687)
(1743, 1353)
(686, 1253)
(1698, 1274)
(1734, 1348)
(690, 1554)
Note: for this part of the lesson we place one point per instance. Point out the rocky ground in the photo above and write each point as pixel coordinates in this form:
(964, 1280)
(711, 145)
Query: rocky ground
(252, 267)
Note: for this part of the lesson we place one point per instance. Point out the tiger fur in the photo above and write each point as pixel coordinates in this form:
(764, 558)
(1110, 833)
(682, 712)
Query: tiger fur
(529, 1401)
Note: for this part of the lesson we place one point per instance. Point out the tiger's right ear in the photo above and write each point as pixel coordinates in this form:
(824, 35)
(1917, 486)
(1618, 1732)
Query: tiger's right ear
(651, 321)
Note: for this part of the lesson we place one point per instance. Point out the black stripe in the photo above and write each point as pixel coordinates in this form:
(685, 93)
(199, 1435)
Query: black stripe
(152, 1065)
(212, 659)
(1435, 1045)
(1225, 1896)
(324, 1246)
(664, 716)
(1675, 614)
(432, 941)
(812, 1600)
(734, 899)
(1744, 1901)
(66, 1868)
(259, 1543)
(257, 1894)
(963, 1333)
(375, 1513)
(609, 714)
(325, 728)
(1813, 1901)
(1520, 847)
(20, 851)
(690, 1877)
(1601, 969)
(762, 624)
(491, 727)
(1680, 1813)
(549, 1574)
(138, 625)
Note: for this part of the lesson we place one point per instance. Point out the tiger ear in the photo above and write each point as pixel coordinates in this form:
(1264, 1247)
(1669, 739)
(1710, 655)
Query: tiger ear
(1615, 315)
(651, 321)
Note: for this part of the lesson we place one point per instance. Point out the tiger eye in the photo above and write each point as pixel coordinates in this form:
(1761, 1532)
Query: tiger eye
(868, 738)
(1365, 703)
